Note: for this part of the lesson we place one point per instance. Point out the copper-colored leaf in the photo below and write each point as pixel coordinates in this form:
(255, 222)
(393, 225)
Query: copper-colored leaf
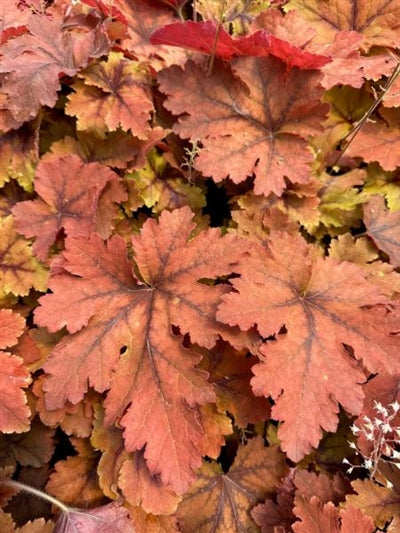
(221, 502)
(75, 482)
(253, 120)
(118, 469)
(33, 448)
(230, 373)
(317, 517)
(377, 142)
(19, 270)
(108, 308)
(377, 501)
(142, 17)
(11, 327)
(14, 413)
(34, 61)
(74, 196)
(320, 302)
(277, 516)
(37, 526)
(378, 21)
(384, 228)
(114, 94)
(18, 155)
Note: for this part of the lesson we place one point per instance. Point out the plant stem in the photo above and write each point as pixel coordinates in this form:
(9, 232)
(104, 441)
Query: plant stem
(348, 139)
(214, 48)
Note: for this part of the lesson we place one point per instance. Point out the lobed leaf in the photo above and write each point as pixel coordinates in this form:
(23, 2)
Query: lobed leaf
(121, 315)
(74, 196)
(254, 119)
(324, 307)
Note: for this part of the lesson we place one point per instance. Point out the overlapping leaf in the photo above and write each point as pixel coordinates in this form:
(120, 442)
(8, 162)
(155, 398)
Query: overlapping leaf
(383, 227)
(108, 308)
(109, 518)
(221, 502)
(114, 94)
(377, 142)
(14, 413)
(33, 62)
(255, 119)
(378, 21)
(74, 196)
(19, 269)
(39, 525)
(321, 304)
(204, 37)
(128, 471)
(317, 517)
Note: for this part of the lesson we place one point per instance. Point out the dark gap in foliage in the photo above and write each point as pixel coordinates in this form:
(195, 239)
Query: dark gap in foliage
(217, 205)
(63, 447)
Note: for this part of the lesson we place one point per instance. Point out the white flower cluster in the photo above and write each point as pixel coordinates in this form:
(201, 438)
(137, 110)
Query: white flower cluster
(384, 436)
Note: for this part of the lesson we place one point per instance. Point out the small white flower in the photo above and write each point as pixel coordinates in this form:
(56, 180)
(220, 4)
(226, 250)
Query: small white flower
(387, 428)
(379, 407)
(395, 406)
(355, 429)
(368, 464)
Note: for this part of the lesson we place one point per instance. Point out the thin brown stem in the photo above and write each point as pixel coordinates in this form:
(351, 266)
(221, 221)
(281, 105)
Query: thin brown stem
(348, 139)
(214, 48)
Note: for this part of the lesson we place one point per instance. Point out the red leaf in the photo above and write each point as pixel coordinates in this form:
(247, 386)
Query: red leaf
(74, 196)
(113, 304)
(321, 303)
(252, 120)
(14, 17)
(200, 36)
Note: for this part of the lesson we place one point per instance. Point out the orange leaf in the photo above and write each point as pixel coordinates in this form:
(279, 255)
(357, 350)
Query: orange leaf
(121, 314)
(255, 119)
(320, 303)
(221, 502)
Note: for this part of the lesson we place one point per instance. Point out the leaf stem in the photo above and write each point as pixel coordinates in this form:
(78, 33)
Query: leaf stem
(348, 139)
(36, 492)
(214, 48)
